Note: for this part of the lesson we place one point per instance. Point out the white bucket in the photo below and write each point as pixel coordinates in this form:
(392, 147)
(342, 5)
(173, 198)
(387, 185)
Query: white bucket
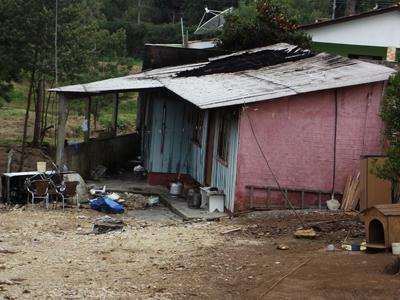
(41, 166)
(396, 248)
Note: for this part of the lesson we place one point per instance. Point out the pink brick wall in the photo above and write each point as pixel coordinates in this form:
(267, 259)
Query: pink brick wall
(297, 136)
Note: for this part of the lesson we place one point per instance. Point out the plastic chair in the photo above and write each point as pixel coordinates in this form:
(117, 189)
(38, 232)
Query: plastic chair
(70, 191)
(39, 189)
(56, 191)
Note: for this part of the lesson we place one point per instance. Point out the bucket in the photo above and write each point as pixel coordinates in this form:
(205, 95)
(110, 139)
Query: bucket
(396, 248)
(41, 166)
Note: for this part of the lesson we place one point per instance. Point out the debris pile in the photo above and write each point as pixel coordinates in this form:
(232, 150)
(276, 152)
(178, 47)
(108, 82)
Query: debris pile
(332, 227)
(106, 224)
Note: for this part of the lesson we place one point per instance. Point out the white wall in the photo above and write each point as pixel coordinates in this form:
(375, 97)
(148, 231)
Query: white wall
(379, 30)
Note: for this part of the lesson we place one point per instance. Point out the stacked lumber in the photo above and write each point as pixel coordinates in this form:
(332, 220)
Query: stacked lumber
(351, 194)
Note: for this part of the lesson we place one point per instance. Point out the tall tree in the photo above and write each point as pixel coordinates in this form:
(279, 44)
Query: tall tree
(260, 23)
(12, 60)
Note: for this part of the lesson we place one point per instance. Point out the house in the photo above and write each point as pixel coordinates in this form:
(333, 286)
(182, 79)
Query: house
(371, 35)
(310, 116)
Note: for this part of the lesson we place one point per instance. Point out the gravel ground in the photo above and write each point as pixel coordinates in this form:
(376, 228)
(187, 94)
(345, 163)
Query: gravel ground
(53, 255)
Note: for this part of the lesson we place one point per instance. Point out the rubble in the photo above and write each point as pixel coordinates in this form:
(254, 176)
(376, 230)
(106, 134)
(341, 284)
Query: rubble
(106, 224)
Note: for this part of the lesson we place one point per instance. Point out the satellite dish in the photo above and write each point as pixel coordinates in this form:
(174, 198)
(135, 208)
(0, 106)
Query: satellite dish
(216, 22)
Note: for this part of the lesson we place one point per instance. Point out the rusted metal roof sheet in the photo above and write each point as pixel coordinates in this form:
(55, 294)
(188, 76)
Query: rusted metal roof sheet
(387, 209)
(319, 72)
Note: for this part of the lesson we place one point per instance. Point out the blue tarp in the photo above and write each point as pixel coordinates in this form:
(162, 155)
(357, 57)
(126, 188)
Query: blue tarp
(107, 205)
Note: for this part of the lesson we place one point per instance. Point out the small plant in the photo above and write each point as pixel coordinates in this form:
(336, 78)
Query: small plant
(106, 121)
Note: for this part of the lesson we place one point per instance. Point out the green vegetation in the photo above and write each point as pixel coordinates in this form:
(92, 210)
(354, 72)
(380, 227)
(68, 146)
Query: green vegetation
(98, 39)
(391, 117)
(260, 23)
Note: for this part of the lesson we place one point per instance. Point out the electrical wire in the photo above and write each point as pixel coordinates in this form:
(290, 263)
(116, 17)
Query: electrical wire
(245, 108)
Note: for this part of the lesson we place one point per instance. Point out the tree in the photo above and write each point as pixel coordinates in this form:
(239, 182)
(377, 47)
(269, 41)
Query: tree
(12, 59)
(390, 114)
(307, 11)
(27, 45)
(260, 23)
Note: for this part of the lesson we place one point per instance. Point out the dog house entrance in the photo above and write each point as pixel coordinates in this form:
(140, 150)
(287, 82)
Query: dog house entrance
(376, 233)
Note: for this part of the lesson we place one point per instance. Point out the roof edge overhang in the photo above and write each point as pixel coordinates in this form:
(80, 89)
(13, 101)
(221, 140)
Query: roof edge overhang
(351, 18)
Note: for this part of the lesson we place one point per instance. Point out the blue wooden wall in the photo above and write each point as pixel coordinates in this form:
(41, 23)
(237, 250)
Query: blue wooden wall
(176, 152)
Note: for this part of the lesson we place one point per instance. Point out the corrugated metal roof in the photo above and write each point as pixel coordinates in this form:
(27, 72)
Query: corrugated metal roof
(370, 13)
(320, 72)
(144, 80)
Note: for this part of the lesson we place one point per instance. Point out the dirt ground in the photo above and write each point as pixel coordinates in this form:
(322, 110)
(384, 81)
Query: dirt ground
(53, 255)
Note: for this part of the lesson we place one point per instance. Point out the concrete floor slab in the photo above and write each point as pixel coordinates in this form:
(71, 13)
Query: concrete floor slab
(177, 205)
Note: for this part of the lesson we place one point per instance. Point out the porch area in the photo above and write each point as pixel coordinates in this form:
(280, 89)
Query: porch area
(127, 183)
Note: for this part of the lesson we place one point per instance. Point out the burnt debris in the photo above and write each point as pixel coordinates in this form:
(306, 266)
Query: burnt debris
(249, 61)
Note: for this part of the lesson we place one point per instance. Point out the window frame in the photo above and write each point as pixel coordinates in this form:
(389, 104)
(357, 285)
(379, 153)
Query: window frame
(198, 126)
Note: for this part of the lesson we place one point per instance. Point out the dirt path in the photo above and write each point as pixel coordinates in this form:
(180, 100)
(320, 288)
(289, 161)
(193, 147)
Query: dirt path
(50, 257)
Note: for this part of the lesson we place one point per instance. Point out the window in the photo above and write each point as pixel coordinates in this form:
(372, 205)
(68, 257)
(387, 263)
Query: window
(198, 120)
(223, 140)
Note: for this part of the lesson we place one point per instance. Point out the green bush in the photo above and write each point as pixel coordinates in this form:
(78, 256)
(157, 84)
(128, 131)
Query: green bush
(122, 123)
(390, 114)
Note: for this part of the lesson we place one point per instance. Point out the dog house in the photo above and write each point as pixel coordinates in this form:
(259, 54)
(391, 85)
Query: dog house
(382, 225)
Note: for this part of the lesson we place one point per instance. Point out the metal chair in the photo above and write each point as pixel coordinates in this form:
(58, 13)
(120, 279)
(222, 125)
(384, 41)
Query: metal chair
(56, 191)
(39, 189)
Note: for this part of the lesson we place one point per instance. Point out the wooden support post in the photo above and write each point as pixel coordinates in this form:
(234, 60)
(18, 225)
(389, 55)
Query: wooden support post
(302, 199)
(287, 197)
(62, 120)
(268, 197)
(251, 197)
(319, 200)
(115, 114)
(88, 109)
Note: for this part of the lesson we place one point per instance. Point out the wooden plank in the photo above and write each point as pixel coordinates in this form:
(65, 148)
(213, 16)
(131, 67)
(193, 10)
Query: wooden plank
(319, 200)
(251, 197)
(363, 183)
(115, 114)
(379, 191)
(62, 120)
(287, 196)
(346, 191)
(88, 108)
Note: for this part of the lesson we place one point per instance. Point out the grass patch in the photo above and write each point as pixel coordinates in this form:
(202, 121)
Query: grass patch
(4, 142)
(7, 113)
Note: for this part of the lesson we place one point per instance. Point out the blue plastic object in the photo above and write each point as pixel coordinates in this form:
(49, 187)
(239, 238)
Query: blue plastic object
(355, 247)
(107, 205)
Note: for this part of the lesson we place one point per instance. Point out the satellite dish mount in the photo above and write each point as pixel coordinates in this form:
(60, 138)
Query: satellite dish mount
(215, 22)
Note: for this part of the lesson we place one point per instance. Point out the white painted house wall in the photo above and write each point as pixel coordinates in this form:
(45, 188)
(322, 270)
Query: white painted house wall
(379, 30)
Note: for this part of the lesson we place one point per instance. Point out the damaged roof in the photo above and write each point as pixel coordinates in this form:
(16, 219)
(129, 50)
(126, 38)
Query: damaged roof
(246, 76)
